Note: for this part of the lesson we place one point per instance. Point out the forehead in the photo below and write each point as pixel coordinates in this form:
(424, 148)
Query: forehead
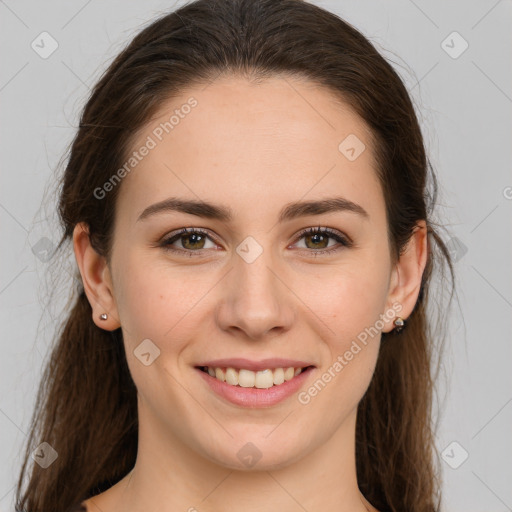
(242, 143)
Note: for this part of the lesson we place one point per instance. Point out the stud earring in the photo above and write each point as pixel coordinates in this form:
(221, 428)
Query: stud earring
(103, 316)
(399, 324)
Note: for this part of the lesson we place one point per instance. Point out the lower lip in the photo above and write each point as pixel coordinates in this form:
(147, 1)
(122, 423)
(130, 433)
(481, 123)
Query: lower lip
(254, 397)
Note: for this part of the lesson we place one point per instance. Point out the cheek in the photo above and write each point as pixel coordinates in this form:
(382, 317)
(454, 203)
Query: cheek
(351, 305)
(157, 304)
(351, 299)
(152, 299)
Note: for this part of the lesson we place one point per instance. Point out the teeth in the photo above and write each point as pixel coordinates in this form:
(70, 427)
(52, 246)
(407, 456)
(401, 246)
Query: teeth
(289, 373)
(232, 376)
(278, 376)
(264, 379)
(248, 379)
(219, 374)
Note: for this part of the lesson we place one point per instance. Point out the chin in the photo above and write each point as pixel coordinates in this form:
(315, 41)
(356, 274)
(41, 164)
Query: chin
(264, 455)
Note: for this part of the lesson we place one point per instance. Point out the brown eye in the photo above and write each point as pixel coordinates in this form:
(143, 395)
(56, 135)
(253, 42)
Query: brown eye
(191, 240)
(318, 240)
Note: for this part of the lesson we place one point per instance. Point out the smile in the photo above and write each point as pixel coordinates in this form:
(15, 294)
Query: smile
(245, 378)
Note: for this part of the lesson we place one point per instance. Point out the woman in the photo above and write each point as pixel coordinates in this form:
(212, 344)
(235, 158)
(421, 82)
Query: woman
(247, 201)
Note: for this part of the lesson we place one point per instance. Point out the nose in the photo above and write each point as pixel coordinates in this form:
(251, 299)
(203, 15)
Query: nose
(255, 301)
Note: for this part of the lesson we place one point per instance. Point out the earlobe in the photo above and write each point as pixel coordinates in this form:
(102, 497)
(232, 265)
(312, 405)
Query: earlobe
(96, 280)
(408, 274)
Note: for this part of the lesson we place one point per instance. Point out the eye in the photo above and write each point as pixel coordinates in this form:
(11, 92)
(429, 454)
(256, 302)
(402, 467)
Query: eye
(195, 240)
(318, 240)
(191, 240)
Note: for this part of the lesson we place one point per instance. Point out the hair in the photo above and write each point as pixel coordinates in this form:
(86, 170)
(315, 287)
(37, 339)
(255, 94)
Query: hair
(86, 406)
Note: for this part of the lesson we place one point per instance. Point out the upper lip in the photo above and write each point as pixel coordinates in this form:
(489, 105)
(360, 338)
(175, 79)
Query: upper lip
(263, 364)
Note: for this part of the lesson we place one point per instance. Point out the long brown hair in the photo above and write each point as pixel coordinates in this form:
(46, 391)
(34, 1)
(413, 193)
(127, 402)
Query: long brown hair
(86, 406)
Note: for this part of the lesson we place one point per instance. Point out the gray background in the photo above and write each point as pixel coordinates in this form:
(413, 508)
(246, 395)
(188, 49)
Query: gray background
(464, 103)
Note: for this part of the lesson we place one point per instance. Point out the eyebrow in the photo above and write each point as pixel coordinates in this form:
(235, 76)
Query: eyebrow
(225, 214)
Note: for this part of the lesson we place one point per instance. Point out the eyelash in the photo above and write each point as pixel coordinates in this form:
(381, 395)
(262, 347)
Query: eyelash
(343, 240)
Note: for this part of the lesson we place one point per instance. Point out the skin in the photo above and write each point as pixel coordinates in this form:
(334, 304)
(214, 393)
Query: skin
(253, 148)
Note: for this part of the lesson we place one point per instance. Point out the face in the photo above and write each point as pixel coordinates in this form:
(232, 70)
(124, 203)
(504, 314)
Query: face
(250, 284)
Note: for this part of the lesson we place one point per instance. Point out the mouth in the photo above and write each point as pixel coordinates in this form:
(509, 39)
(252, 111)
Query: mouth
(261, 379)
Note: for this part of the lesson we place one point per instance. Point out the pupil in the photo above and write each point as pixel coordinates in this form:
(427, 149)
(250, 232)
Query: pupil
(316, 236)
(196, 238)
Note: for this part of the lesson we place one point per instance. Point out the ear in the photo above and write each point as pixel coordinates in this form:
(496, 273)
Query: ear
(96, 279)
(405, 282)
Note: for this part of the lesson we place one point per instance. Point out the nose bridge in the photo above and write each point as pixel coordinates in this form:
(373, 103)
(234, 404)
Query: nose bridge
(256, 299)
(254, 278)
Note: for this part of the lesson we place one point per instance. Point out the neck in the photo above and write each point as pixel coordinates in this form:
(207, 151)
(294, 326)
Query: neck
(169, 476)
